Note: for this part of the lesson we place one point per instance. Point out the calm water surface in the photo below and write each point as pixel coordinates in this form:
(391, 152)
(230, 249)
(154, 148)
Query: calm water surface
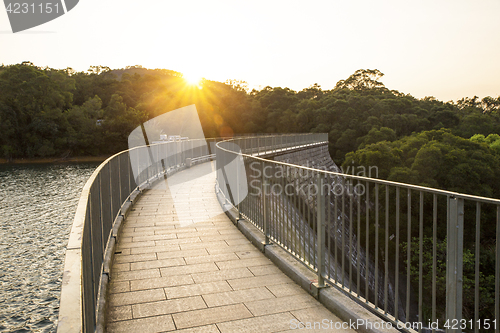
(37, 206)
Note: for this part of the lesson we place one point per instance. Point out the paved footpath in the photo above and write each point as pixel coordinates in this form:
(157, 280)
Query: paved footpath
(201, 276)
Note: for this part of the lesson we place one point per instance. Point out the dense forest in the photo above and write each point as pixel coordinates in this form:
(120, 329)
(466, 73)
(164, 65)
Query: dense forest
(47, 112)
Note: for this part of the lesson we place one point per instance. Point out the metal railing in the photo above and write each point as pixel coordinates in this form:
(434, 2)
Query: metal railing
(103, 204)
(423, 259)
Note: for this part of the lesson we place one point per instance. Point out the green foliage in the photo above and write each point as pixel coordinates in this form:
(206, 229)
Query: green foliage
(437, 159)
(486, 277)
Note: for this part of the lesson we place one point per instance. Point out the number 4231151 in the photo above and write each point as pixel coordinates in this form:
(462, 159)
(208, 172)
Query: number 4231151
(465, 324)
(25, 8)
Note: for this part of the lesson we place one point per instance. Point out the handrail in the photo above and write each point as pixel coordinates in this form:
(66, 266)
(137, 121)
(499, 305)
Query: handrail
(360, 178)
(104, 202)
(347, 250)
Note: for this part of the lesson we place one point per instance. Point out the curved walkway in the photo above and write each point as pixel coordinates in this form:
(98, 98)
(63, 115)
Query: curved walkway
(199, 273)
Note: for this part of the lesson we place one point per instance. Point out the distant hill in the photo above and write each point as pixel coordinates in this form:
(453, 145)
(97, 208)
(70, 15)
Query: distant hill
(131, 70)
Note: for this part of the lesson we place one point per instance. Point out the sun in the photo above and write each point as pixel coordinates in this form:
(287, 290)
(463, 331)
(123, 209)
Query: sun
(193, 79)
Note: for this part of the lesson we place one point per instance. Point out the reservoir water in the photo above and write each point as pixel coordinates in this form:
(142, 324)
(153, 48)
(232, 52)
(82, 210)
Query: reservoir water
(37, 207)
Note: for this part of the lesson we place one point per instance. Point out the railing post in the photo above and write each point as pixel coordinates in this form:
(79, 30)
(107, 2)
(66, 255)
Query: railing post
(454, 262)
(265, 214)
(320, 202)
(238, 187)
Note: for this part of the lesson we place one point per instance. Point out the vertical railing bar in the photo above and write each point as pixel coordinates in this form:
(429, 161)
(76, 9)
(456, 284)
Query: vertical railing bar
(328, 217)
(450, 259)
(258, 204)
(279, 203)
(386, 266)
(261, 209)
(291, 211)
(497, 274)
(320, 226)
(303, 244)
(276, 206)
(293, 226)
(367, 248)
(350, 236)
(335, 232)
(420, 258)
(310, 224)
(296, 234)
(310, 221)
(454, 261)
(285, 235)
(460, 247)
(283, 210)
(315, 225)
(477, 263)
(408, 257)
(255, 202)
(343, 233)
(251, 202)
(434, 257)
(358, 248)
(396, 261)
(376, 244)
(238, 187)
(270, 206)
(287, 209)
(265, 204)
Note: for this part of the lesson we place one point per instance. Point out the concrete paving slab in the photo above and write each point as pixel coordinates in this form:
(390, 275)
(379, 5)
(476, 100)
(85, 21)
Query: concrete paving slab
(119, 286)
(120, 258)
(151, 249)
(168, 307)
(121, 267)
(248, 254)
(161, 282)
(144, 325)
(226, 248)
(258, 261)
(318, 315)
(211, 316)
(144, 238)
(220, 275)
(159, 263)
(197, 289)
(135, 297)
(201, 329)
(136, 275)
(282, 290)
(238, 296)
(282, 304)
(117, 313)
(189, 269)
(258, 281)
(264, 324)
(264, 269)
(182, 254)
(211, 258)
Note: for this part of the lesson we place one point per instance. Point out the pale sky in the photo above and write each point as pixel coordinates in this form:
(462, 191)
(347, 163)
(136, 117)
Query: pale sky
(447, 49)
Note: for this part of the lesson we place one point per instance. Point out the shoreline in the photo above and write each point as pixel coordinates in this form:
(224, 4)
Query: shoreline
(56, 160)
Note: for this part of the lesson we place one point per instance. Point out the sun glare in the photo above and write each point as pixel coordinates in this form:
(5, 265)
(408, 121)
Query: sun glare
(192, 78)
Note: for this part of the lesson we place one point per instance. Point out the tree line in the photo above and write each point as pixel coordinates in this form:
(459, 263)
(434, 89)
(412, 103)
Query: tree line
(47, 112)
